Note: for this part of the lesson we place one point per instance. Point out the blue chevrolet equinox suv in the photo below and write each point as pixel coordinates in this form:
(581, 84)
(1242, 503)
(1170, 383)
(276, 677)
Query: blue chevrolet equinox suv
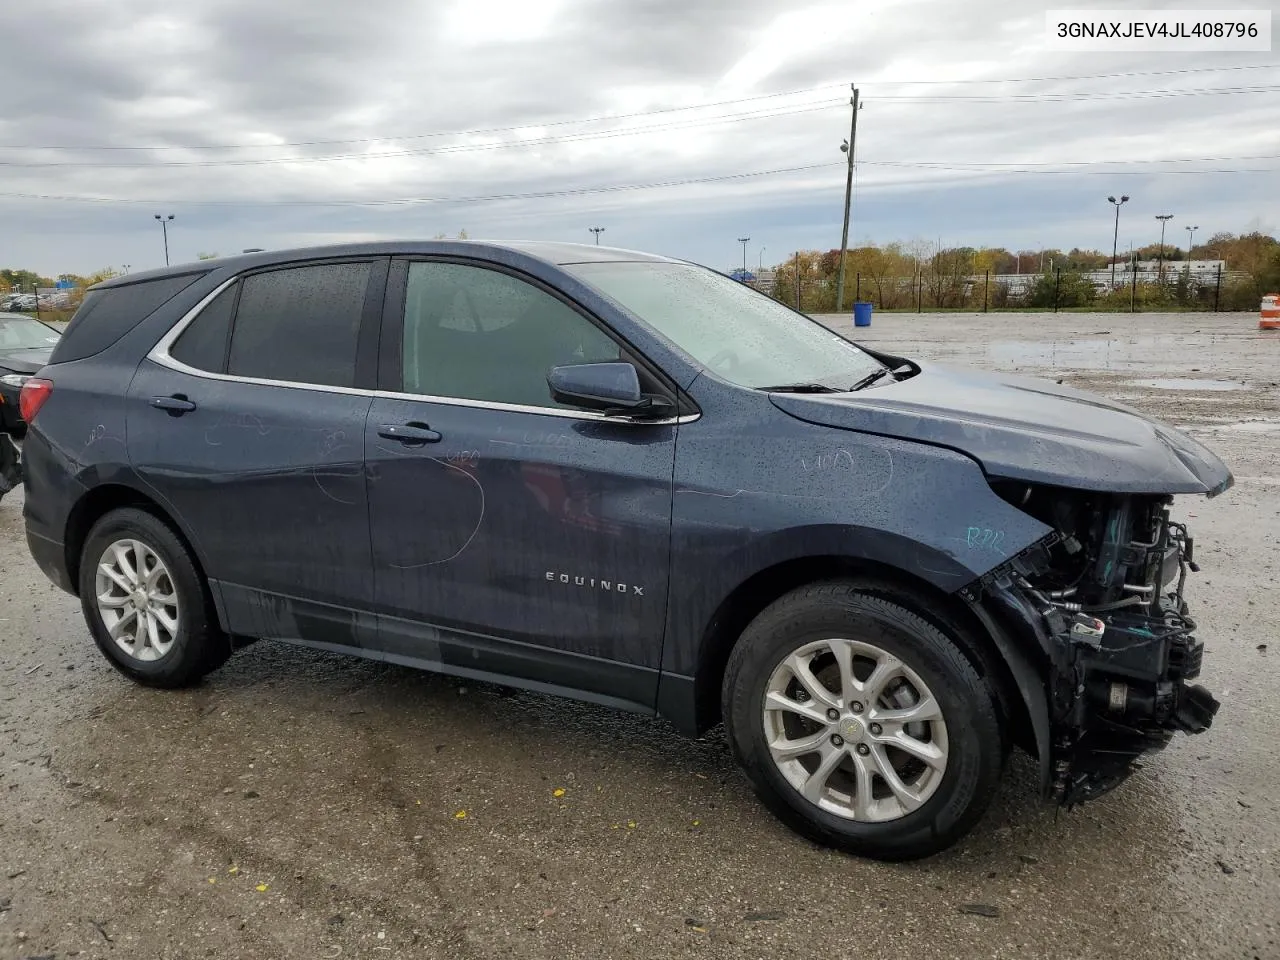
(632, 480)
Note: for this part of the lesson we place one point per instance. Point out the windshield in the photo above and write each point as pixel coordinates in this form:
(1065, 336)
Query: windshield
(740, 334)
(19, 333)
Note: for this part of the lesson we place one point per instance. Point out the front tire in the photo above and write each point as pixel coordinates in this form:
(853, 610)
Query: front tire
(10, 465)
(146, 602)
(860, 723)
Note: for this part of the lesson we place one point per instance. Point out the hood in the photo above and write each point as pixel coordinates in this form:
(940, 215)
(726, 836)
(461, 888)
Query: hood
(29, 360)
(1022, 428)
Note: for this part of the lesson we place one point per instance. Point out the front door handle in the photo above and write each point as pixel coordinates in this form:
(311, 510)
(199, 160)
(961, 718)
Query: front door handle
(176, 405)
(410, 434)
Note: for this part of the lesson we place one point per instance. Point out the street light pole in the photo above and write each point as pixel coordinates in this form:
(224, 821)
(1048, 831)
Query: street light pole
(164, 226)
(597, 231)
(760, 260)
(744, 241)
(1115, 240)
(1191, 242)
(848, 148)
(1164, 219)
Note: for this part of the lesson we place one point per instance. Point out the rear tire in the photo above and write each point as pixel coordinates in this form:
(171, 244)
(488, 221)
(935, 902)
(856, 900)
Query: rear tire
(146, 602)
(904, 774)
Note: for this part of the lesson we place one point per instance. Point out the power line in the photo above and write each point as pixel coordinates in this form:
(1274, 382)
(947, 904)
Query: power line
(958, 164)
(642, 113)
(978, 169)
(437, 151)
(567, 192)
(1095, 76)
(1073, 97)
(1082, 173)
(479, 131)
(582, 137)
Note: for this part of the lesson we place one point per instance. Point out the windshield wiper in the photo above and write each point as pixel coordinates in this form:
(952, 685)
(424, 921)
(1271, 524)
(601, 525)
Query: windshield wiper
(869, 379)
(799, 388)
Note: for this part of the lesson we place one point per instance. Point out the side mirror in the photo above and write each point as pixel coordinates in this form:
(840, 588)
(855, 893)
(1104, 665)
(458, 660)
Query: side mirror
(606, 387)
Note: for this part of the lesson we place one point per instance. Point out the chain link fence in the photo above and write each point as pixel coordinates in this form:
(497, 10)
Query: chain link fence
(52, 304)
(1170, 288)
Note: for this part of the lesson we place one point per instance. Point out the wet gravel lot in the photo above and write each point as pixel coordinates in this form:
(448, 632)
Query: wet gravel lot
(299, 804)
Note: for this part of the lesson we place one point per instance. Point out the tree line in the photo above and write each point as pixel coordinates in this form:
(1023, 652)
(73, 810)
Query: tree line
(918, 275)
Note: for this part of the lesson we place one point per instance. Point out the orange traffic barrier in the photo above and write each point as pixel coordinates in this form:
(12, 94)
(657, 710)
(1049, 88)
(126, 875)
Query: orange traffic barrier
(1269, 318)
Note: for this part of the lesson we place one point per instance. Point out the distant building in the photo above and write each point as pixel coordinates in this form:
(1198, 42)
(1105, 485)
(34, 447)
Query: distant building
(1198, 267)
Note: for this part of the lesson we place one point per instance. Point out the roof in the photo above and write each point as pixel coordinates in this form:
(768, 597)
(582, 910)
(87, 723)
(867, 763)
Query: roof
(546, 250)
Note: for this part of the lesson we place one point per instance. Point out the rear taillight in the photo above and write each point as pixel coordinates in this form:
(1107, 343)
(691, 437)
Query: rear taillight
(34, 393)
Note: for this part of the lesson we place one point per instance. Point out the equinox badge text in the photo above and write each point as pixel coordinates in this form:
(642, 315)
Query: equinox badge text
(593, 584)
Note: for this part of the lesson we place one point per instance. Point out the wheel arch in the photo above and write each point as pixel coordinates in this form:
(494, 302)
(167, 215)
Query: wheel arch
(101, 500)
(945, 610)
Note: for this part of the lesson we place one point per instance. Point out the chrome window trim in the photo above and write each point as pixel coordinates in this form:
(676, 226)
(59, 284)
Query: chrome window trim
(160, 354)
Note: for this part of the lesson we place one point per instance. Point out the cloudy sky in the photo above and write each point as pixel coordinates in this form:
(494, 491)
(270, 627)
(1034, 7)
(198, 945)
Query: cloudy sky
(677, 125)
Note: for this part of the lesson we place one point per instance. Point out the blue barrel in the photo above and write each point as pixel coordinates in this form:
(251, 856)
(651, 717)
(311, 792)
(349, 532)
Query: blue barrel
(861, 313)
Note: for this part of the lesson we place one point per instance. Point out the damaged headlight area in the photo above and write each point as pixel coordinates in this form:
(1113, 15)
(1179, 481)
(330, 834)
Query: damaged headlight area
(1103, 597)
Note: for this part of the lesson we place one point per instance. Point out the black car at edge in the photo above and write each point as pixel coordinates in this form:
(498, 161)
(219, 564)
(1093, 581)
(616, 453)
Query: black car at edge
(631, 480)
(25, 346)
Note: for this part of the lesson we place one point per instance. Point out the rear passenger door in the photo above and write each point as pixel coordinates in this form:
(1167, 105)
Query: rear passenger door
(248, 420)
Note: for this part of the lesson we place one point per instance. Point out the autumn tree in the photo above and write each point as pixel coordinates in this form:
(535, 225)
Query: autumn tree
(1027, 261)
(1078, 259)
(995, 260)
(816, 287)
(1254, 254)
(24, 280)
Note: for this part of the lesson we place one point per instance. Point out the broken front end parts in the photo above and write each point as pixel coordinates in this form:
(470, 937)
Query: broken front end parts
(1103, 597)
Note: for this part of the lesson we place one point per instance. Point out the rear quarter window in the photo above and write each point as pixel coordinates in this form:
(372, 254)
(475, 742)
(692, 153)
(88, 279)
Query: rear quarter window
(108, 314)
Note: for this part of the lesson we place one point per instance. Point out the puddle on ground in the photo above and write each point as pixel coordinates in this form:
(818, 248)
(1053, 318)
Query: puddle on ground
(1187, 383)
(1084, 354)
(1094, 353)
(1255, 426)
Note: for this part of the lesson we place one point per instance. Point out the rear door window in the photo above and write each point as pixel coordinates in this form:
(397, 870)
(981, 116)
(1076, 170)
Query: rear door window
(300, 325)
(203, 344)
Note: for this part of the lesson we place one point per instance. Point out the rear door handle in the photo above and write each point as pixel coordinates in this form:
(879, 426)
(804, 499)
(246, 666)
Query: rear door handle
(410, 434)
(176, 405)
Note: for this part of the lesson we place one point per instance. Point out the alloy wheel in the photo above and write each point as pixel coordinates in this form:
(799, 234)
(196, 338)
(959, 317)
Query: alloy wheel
(855, 730)
(137, 600)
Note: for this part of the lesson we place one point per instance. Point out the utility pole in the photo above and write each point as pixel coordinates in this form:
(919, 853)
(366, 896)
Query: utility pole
(1164, 219)
(797, 281)
(848, 148)
(597, 231)
(744, 241)
(1115, 240)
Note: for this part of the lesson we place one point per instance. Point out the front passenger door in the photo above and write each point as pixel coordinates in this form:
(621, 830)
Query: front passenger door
(512, 536)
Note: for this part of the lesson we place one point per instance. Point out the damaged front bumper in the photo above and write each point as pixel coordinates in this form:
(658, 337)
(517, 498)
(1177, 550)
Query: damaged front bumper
(1104, 604)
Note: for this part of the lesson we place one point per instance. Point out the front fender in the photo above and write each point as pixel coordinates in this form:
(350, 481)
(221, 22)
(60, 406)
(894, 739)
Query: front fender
(923, 511)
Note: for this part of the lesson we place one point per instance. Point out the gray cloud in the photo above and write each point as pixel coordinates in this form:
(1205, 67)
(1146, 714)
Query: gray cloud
(194, 77)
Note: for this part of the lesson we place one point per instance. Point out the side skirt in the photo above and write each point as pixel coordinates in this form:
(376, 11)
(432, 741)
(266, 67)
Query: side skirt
(444, 650)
